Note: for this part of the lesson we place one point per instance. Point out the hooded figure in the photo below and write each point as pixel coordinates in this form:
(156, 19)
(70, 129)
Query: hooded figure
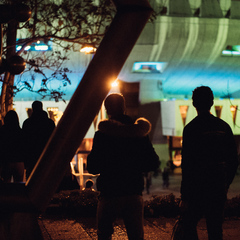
(121, 154)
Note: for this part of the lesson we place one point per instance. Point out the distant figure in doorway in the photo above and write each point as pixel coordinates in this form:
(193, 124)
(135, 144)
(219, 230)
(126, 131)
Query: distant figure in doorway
(12, 149)
(148, 181)
(165, 177)
(209, 164)
(38, 129)
(89, 185)
(121, 153)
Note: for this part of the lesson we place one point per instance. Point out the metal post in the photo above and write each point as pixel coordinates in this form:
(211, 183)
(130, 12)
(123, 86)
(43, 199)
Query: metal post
(80, 169)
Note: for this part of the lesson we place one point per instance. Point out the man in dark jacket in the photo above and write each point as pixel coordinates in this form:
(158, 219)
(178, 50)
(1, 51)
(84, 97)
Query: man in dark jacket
(38, 129)
(209, 163)
(121, 153)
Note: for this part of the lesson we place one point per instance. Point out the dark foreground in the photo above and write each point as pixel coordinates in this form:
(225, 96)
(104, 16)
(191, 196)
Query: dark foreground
(58, 228)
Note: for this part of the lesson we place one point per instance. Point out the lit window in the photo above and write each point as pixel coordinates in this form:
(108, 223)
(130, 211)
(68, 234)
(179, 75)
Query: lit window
(41, 47)
(54, 114)
(231, 50)
(149, 67)
(36, 46)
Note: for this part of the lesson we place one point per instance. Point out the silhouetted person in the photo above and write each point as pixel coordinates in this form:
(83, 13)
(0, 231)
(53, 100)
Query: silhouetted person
(121, 153)
(165, 177)
(148, 181)
(38, 129)
(209, 163)
(12, 149)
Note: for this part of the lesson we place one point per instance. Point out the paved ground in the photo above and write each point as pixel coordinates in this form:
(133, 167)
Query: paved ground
(175, 182)
(58, 228)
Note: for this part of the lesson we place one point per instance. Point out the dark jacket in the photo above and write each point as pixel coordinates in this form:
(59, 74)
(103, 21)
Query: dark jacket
(38, 129)
(12, 144)
(209, 157)
(121, 153)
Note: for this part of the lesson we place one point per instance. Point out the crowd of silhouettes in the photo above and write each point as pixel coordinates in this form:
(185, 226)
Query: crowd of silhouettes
(122, 154)
(21, 147)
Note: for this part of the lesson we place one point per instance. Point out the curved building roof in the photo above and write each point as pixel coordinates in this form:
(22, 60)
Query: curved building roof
(196, 43)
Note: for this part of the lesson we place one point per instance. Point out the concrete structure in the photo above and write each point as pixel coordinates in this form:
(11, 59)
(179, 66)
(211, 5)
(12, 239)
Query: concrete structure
(195, 42)
(61, 147)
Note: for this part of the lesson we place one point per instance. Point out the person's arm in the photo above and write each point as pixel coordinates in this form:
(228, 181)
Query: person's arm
(151, 159)
(231, 157)
(94, 158)
(185, 165)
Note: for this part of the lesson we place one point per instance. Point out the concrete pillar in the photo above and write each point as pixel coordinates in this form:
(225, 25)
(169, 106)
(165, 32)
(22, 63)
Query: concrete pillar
(86, 102)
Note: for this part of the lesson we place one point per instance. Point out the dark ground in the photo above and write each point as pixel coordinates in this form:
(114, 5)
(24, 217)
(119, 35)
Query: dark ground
(56, 227)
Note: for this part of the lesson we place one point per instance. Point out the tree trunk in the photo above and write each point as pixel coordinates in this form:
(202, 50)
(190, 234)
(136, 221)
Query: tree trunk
(7, 87)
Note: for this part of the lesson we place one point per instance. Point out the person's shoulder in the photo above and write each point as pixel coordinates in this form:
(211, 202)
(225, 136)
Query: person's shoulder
(2, 129)
(51, 121)
(191, 124)
(100, 134)
(140, 128)
(222, 123)
(26, 121)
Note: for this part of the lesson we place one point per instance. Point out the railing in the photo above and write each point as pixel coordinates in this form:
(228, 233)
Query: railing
(80, 166)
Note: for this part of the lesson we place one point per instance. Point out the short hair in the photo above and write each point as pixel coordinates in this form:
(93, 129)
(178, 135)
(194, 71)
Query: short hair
(37, 106)
(115, 104)
(202, 98)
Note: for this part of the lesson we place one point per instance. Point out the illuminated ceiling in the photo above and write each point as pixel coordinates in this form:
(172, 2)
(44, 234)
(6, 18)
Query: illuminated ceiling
(190, 37)
(192, 46)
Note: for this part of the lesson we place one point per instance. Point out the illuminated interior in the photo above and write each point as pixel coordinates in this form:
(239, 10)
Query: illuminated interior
(36, 46)
(218, 110)
(234, 109)
(183, 111)
(54, 114)
(149, 67)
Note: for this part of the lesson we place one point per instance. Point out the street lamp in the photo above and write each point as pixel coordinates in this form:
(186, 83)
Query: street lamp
(88, 49)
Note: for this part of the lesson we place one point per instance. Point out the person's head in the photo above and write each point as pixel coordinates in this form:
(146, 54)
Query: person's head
(115, 104)
(37, 106)
(89, 183)
(202, 98)
(11, 119)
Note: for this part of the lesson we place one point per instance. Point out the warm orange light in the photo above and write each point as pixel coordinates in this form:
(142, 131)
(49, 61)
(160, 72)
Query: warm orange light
(115, 83)
(87, 49)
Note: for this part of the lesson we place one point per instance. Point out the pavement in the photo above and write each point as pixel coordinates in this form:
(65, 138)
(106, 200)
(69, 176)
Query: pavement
(57, 227)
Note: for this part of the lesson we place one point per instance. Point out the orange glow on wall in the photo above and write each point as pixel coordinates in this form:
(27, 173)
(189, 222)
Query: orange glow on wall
(233, 109)
(218, 110)
(183, 111)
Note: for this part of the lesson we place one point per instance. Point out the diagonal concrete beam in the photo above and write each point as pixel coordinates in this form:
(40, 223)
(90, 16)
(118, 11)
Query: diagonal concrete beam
(104, 68)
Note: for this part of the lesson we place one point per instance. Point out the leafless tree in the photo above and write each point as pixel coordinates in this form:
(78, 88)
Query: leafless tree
(63, 23)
